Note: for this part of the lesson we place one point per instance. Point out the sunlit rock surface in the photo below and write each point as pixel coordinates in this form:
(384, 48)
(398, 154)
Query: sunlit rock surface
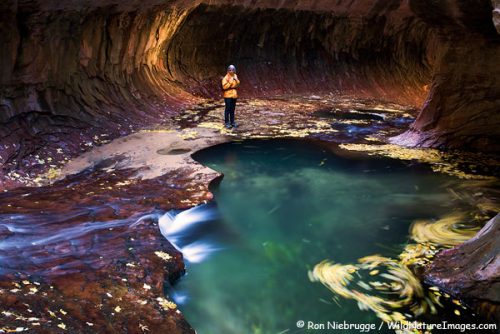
(77, 74)
(72, 70)
(496, 14)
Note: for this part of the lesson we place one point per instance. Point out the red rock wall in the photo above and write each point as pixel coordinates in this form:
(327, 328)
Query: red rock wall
(70, 74)
(380, 53)
(472, 270)
(70, 70)
(462, 110)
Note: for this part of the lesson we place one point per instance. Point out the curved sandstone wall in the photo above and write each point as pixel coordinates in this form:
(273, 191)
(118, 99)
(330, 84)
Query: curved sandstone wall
(291, 50)
(71, 70)
(462, 108)
(68, 74)
(75, 70)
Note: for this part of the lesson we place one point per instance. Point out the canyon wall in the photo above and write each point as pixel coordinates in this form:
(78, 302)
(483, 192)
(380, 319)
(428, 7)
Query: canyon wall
(472, 270)
(71, 74)
(74, 70)
(462, 108)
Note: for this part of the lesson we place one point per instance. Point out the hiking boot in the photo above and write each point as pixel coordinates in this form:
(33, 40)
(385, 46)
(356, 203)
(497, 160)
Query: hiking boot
(228, 126)
(234, 125)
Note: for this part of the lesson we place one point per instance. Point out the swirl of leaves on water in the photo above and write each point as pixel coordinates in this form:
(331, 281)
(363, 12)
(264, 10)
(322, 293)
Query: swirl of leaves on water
(377, 283)
(387, 286)
(447, 231)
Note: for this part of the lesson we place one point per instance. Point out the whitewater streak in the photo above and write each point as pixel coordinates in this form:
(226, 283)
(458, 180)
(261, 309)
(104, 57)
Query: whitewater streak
(176, 227)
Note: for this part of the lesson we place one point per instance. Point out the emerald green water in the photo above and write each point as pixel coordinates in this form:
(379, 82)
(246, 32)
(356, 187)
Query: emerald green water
(284, 206)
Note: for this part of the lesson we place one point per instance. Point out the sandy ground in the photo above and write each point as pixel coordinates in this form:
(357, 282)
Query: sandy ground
(152, 153)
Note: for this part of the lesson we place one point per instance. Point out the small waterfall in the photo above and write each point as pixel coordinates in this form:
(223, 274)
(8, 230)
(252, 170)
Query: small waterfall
(180, 228)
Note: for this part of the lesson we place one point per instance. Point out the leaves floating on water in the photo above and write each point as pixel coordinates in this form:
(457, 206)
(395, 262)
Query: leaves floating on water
(418, 254)
(388, 286)
(395, 286)
(446, 231)
(439, 161)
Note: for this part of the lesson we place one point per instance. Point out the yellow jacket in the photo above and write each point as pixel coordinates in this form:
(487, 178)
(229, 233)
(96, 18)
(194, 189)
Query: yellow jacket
(229, 83)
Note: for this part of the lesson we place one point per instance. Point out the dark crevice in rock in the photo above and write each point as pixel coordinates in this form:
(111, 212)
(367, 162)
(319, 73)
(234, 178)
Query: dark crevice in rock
(350, 114)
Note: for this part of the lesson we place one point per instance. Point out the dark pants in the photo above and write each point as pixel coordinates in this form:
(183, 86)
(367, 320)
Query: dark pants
(229, 111)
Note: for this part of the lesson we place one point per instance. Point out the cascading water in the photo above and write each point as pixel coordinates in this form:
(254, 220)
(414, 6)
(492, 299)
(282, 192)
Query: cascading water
(289, 206)
(37, 241)
(180, 227)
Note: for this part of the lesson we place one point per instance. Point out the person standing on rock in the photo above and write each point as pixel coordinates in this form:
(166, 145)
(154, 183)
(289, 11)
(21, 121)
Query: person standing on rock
(229, 83)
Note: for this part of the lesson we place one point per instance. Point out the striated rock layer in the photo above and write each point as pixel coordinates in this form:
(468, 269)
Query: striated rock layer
(77, 257)
(71, 70)
(74, 72)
